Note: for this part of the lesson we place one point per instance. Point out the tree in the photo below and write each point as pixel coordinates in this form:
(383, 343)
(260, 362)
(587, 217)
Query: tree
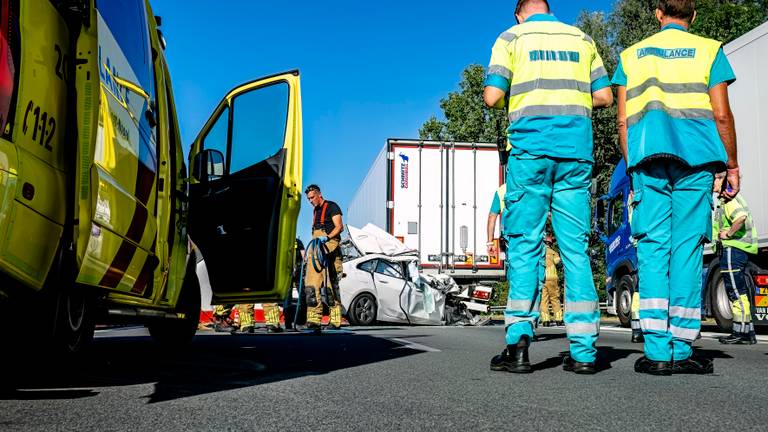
(467, 119)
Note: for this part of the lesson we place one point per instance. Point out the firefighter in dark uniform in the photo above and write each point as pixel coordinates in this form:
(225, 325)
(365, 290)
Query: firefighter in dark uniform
(321, 285)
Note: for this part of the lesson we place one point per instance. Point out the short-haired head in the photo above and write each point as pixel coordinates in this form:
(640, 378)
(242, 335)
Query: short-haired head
(679, 10)
(526, 8)
(314, 195)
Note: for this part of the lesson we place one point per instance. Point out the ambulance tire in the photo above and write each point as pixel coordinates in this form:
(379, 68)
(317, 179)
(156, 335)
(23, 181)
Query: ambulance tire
(174, 334)
(719, 302)
(75, 320)
(624, 291)
(74, 308)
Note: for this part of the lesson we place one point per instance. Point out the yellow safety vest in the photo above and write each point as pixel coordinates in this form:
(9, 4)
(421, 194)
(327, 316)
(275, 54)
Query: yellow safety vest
(550, 67)
(669, 111)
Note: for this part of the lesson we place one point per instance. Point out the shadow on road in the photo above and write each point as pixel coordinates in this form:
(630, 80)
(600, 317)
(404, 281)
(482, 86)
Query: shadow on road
(211, 364)
(606, 355)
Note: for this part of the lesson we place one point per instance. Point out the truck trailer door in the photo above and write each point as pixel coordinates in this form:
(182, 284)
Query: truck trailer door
(245, 190)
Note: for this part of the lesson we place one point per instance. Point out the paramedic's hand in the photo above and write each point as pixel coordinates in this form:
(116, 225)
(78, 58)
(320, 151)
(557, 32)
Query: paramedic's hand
(734, 183)
(322, 239)
(724, 235)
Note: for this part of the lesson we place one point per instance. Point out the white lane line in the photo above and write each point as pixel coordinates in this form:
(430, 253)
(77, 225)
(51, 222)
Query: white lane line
(707, 335)
(413, 345)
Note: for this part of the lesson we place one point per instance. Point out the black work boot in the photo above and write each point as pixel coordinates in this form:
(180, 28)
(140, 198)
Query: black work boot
(581, 368)
(637, 336)
(513, 359)
(650, 367)
(694, 364)
(737, 338)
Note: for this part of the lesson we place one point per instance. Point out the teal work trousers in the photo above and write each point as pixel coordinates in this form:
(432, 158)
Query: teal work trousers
(536, 186)
(672, 221)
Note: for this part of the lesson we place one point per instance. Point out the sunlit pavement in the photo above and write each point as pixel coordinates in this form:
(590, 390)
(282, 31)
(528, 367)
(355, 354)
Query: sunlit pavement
(377, 378)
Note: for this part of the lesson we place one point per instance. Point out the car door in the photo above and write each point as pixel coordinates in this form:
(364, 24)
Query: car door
(244, 192)
(390, 282)
(422, 303)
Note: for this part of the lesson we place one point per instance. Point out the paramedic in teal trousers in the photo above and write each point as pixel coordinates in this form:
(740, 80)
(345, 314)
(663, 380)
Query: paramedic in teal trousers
(676, 130)
(551, 77)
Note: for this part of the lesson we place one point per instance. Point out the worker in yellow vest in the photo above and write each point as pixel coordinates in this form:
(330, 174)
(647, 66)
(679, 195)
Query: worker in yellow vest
(735, 237)
(550, 77)
(676, 130)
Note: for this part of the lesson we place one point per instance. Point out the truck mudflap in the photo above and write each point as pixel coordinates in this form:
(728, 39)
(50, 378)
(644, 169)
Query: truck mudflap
(760, 312)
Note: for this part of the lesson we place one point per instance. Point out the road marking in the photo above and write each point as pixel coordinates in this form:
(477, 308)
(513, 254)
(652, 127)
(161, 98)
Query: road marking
(413, 345)
(705, 335)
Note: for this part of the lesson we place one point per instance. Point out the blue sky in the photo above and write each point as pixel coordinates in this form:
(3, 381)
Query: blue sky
(369, 70)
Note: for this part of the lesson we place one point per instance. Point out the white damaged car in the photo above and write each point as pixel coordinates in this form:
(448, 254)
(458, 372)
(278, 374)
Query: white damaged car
(382, 282)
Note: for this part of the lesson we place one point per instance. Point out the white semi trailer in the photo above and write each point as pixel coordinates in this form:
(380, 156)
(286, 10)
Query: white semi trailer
(435, 197)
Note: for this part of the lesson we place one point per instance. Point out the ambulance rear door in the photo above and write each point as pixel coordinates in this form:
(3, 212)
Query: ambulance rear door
(244, 192)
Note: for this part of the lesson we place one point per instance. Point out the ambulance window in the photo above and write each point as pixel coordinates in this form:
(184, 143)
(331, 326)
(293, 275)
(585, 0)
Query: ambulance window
(258, 125)
(9, 63)
(125, 49)
(216, 138)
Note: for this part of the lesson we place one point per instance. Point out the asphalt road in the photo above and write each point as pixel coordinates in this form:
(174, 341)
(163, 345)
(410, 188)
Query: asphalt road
(382, 378)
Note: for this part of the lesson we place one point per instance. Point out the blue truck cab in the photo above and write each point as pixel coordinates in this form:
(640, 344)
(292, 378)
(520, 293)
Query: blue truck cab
(612, 215)
(612, 223)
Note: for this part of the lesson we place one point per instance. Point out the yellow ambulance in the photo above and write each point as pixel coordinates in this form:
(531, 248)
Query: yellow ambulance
(101, 216)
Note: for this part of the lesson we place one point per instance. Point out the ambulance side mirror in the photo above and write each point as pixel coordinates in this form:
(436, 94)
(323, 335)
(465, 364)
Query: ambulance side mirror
(208, 165)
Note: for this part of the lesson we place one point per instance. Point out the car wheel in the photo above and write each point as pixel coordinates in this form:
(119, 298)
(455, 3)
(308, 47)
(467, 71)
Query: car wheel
(624, 291)
(719, 301)
(362, 310)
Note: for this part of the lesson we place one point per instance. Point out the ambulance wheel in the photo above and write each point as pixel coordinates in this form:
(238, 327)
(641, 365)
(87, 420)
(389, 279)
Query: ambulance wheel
(719, 302)
(624, 291)
(362, 310)
(178, 333)
(73, 305)
(74, 324)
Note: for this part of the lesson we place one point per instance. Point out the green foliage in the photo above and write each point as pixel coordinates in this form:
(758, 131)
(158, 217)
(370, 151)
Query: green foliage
(727, 20)
(467, 119)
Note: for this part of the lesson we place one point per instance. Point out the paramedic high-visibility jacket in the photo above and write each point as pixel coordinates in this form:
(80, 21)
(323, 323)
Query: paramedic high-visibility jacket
(669, 112)
(549, 70)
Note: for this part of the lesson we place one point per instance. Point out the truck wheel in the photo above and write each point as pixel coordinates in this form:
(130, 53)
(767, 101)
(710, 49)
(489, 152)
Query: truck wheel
(624, 291)
(719, 302)
(178, 333)
(362, 310)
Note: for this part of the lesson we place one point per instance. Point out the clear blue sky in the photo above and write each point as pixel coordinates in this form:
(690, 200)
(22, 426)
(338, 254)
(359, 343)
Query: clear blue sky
(369, 70)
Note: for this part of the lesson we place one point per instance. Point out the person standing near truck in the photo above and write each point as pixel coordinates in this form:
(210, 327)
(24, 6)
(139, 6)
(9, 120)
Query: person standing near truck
(736, 235)
(552, 77)
(497, 208)
(321, 285)
(676, 130)
(550, 291)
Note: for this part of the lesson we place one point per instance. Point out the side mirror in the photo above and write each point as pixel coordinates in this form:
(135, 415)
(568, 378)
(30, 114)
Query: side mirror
(208, 165)
(599, 214)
